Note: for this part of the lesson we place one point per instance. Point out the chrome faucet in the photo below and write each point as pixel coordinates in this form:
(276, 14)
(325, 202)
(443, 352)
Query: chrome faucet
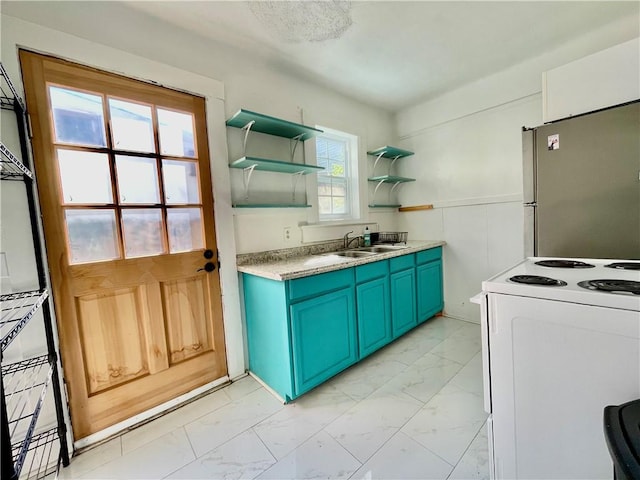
(347, 241)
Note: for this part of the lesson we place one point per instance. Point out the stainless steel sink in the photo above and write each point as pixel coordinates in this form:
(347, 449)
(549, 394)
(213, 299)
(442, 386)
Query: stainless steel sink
(366, 251)
(382, 248)
(351, 253)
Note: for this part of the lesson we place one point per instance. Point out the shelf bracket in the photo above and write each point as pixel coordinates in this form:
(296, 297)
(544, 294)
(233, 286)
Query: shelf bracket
(294, 145)
(392, 162)
(375, 191)
(247, 129)
(294, 180)
(395, 185)
(378, 157)
(246, 179)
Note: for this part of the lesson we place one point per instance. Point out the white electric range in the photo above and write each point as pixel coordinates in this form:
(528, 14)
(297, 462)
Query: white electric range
(555, 353)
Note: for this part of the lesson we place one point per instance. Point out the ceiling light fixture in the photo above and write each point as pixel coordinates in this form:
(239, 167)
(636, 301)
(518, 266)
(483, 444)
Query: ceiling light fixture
(304, 20)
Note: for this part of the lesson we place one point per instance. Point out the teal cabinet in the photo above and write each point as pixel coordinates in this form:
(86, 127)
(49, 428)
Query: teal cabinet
(373, 307)
(403, 294)
(323, 332)
(429, 283)
(302, 332)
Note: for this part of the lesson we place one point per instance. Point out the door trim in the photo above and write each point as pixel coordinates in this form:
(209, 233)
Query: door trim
(143, 417)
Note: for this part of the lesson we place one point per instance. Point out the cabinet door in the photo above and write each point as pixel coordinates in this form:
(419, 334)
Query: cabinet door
(429, 293)
(403, 301)
(374, 316)
(324, 338)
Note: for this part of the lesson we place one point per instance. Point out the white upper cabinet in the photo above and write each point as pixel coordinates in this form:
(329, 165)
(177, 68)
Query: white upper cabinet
(604, 79)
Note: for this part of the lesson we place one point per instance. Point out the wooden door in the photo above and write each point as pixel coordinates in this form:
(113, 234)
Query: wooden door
(125, 189)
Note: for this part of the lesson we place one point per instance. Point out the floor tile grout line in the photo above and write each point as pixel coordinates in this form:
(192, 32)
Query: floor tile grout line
(275, 459)
(424, 446)
(468, 447)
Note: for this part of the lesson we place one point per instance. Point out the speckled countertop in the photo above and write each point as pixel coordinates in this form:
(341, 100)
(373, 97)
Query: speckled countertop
(304, 261)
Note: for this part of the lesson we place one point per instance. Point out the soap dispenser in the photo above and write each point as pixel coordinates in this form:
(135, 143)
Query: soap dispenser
(367, 236)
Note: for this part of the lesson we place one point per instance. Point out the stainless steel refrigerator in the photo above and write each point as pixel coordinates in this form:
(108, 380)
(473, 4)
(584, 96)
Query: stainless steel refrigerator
(582, 185)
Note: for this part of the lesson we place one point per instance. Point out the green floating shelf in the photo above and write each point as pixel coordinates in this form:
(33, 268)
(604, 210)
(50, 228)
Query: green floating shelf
(270, 205)
(390, 179)
(390, 152)
(272, 126)
(275, 166)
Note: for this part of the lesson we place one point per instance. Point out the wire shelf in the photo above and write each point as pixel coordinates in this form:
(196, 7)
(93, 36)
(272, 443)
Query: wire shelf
(25, 386)
(8, 91)
(42, 457)
(16, 309)
(11, 168)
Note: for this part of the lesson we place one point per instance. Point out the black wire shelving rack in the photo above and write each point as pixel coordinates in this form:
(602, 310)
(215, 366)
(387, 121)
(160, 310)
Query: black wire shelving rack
(28, 451)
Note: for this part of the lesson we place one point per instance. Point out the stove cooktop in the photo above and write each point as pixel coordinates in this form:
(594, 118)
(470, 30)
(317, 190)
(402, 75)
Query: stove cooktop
(559, 279)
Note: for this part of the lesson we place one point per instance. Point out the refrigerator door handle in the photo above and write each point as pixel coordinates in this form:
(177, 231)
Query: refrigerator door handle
(528, 166)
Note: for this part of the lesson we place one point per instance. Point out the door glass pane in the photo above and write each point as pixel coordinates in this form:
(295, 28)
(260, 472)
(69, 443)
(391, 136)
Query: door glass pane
(180, 182)
(137, 180)
(185, 229)
(176, 133)
(77, 117)
(142, 229)
(131, 126)
(92, 235)
(85, 177)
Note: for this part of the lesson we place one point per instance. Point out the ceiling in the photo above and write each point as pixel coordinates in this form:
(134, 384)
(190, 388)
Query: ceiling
(390, 54)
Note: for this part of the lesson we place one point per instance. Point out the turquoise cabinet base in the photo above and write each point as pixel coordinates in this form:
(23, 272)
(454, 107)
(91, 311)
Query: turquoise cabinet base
(403, 301)
(302, 332)
(268, 333)
(374, 319)
(324, 338)
(429, 290)
(429, 283)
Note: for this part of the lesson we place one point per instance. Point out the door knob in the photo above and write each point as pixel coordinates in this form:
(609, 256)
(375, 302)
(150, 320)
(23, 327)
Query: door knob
(208, 254)
(208, 267)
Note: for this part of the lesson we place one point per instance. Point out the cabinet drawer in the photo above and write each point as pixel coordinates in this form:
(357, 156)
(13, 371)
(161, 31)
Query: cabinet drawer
(401, 263)
(428, 255)
(318, 284)
(371, 271)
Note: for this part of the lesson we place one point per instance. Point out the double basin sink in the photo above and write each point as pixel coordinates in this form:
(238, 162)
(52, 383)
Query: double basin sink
(366, 251)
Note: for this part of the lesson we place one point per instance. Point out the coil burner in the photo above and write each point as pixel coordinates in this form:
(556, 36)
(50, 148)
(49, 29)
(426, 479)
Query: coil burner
(564, 264)
(624, 265)
(612, 286)
(537, 280)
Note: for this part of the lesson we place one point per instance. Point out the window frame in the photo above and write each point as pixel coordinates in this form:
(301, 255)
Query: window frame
(352, 197)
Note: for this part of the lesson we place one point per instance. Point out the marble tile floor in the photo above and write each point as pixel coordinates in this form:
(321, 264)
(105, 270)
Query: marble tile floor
(412, 410)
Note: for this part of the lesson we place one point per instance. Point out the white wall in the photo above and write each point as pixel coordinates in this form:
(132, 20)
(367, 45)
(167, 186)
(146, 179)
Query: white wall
(468, 165)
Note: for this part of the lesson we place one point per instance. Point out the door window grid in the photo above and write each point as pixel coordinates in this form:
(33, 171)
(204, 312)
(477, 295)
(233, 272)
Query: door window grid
(137, 226)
